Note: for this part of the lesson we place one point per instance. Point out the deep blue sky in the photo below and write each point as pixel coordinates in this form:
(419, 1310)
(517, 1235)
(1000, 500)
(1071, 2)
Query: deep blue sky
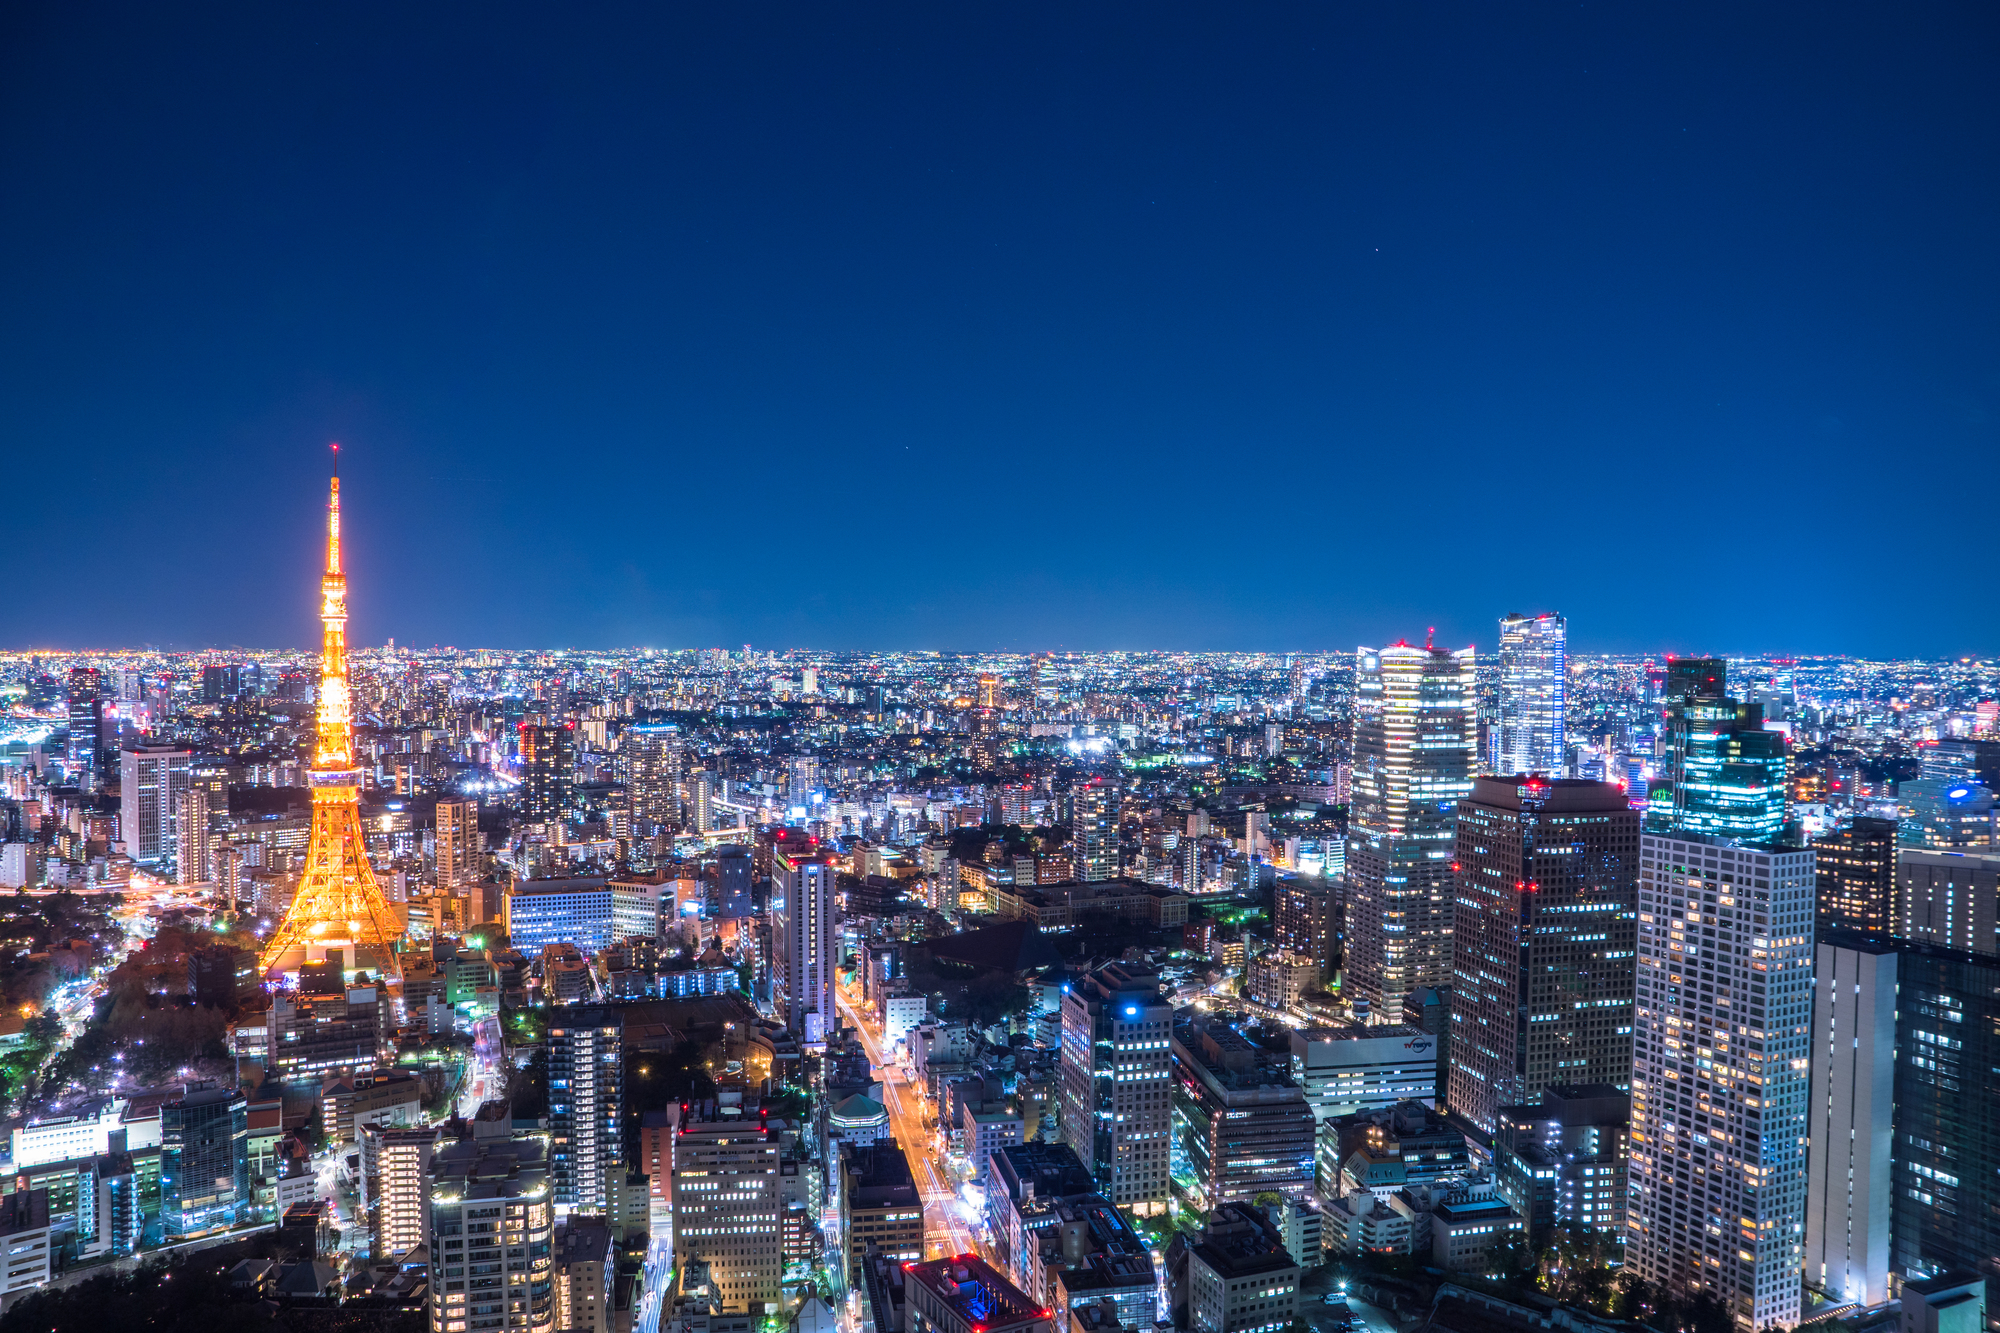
(1010, 326)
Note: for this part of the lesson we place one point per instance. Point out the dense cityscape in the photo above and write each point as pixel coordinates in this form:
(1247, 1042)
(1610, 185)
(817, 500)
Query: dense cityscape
(722, 990)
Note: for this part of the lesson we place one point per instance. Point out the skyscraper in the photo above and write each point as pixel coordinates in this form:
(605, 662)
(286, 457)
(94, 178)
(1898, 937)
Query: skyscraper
(191, 837)
(86, 718)
(457, 843)
(1721, 1042)
(1414, 754)
(1093, 836)
(803, 939)
(1851, 1115)
(1548, 884)
(1857, 876)
(1527, 735)
(153, 779)
(1725, 775)
(548, 771)
(586, 1101)
(1117, 1076)
(648, 760)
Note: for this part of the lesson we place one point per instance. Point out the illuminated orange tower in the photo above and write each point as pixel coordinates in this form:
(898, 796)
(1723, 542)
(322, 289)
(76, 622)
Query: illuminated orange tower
(338, 905)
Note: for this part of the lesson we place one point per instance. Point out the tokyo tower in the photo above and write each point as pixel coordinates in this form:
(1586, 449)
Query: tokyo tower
(338, 905)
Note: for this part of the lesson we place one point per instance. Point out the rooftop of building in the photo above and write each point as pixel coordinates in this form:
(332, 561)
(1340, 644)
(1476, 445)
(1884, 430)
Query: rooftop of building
(1241, 1241)
(881, 1174)
(1012, 946)
(583, 1238)
(491, 1168)
(1228, 1060)
(1043, 1170)
(975, 1290)
(1552, 796)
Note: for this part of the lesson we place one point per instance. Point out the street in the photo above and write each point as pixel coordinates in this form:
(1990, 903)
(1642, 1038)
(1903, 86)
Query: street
(943, 1226)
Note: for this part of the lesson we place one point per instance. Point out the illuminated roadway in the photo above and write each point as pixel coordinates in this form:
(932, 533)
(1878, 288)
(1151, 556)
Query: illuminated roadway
(943, 1227)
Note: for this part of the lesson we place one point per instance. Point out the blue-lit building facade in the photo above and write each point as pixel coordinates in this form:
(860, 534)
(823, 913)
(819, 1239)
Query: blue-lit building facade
(1527, 734)
(204, 1161)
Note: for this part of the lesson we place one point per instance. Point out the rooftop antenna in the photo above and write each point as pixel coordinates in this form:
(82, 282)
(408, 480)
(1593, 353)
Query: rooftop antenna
(1429, 635)
(336, 458)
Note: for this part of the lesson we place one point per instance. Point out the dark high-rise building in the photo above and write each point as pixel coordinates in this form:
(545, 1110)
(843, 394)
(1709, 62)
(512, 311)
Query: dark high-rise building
(1308, 918)
(87, 740)
(1948, 898)
(1415, 745)
(1947, 1177)
(204, 1161)
(548, 771)
(1856, 879)
(1725, 776)
(220, 683)
(586, 1100)
(1548, 900)
(733, 879)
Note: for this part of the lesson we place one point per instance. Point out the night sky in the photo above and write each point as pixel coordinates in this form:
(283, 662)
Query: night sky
(998, 326)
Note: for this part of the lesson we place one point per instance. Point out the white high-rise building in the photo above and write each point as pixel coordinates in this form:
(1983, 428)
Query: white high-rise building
(1722, 1039)
(152, 780)
(803, 939)
(395, 1179)
(1527, 732)
(1851, 1118)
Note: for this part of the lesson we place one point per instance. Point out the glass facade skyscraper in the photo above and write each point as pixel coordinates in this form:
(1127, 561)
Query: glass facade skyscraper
(1726, 776)
(1415, 750)
(204, 1161)
(1527, 735)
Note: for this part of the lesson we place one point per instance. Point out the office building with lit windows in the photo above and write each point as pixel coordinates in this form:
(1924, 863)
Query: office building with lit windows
(153, 780)
(492, 1228)
(1414, 756)
(1857, 876)
(803, 942)
(548, 771)
(586, 1102)
(1117, 1083)
(1093, 837)
(726, 1205)
(1721, 1043)
(1241, 1123)
(1527, 734)
(1548, 886)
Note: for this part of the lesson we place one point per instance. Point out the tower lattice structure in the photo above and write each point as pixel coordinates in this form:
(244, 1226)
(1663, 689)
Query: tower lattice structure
(338, 903)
